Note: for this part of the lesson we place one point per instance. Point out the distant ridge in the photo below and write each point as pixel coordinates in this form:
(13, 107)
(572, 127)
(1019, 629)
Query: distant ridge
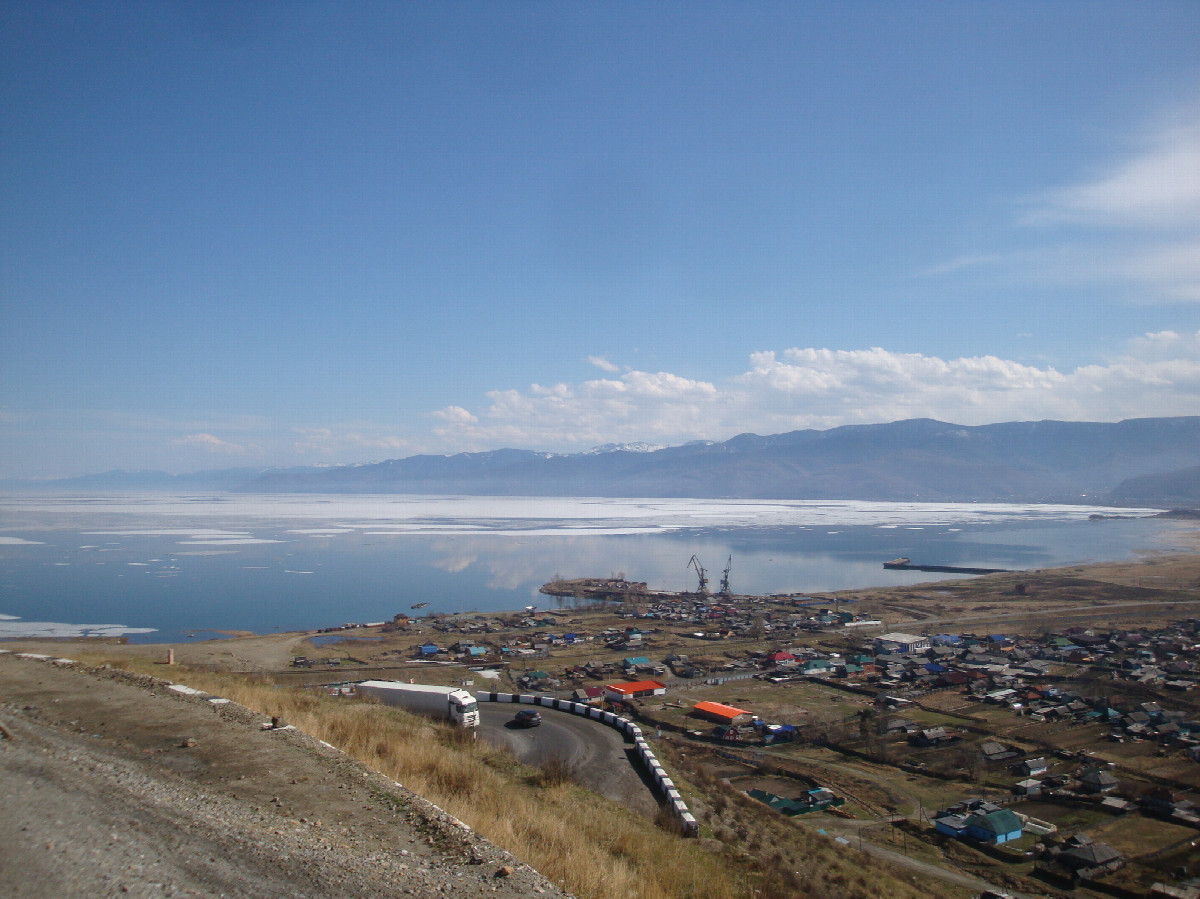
(120, 481)
(915, 460)
(1172, 489)
(1152, 462)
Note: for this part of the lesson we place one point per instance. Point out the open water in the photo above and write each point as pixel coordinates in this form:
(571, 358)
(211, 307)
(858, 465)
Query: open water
(172, 568)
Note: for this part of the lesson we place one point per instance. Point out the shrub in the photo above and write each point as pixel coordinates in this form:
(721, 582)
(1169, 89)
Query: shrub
(556, 770)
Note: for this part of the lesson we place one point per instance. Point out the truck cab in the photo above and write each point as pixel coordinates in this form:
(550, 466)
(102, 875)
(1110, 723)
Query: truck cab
(464, 709)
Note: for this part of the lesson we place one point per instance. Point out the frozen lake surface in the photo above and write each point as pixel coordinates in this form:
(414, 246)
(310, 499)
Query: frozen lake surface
(168, 568)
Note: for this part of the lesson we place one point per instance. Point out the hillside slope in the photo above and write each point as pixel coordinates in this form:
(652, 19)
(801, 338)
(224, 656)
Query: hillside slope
(103, 797)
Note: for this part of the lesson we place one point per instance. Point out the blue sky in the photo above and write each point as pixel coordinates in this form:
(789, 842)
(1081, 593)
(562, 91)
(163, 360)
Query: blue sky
(258, 234)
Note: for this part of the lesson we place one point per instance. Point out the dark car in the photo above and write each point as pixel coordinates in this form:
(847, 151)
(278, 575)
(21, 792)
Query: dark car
(528, 718)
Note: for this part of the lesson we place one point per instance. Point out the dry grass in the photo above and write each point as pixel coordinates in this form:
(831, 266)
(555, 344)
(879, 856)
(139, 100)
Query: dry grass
(590, 846)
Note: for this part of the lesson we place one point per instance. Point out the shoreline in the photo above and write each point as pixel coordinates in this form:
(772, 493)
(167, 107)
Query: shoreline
(1161, 584)
(827, 573)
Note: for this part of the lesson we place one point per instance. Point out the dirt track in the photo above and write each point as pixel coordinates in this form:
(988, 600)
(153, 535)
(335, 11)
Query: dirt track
(115, 785)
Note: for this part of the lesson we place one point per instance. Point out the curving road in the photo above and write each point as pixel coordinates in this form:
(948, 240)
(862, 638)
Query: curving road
(601, 756)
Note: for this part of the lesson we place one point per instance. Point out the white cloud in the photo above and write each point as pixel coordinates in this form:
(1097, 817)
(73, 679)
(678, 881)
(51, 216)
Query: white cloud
(455, 414)
(967, 261)
(1159, 374)
(603, 364)
(1157, 188)
(345, 441)
(208, 442)
(1133, 225)
(1136, 224)
(642, 404)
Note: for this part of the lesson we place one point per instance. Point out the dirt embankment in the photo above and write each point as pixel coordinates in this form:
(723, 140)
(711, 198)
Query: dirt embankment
(115, 785)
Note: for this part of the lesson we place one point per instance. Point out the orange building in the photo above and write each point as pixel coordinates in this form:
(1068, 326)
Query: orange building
(722, 714)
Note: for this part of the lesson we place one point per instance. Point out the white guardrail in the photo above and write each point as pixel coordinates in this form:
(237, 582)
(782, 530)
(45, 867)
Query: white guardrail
(664, 786)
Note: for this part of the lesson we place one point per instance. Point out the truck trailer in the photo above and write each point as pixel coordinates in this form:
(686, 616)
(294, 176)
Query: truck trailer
(448, 703)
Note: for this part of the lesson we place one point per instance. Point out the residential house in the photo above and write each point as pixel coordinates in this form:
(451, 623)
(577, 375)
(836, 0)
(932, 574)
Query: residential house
(1163, 801)
(1096, 780)
(931, 736)
(1031, 767)
(996, 752)
(996, 827)
(901, 643)
(951, 825)
(1028, 787)
(1086, 857)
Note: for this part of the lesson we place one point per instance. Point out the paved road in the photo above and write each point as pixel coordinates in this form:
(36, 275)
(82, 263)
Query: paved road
(599, 754)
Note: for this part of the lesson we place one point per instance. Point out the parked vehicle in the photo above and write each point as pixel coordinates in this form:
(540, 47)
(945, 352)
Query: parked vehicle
(448, 703)
(527, 718)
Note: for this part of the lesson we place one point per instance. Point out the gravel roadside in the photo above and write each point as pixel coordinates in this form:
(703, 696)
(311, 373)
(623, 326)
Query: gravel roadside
(116, 785)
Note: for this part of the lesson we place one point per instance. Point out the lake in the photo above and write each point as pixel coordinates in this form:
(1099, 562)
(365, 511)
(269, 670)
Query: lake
(172, 568)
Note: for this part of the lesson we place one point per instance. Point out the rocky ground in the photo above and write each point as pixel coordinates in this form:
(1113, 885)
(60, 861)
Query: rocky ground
(114, 785)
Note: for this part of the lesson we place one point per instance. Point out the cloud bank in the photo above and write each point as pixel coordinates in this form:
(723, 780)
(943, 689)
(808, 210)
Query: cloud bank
(1159, 374)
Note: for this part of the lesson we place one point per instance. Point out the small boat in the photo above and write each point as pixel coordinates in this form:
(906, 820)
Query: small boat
(531, 608)
(420, 605)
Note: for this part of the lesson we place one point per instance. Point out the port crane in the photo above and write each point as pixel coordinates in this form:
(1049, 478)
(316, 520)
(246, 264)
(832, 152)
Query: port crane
(700, 572)
(724, 591)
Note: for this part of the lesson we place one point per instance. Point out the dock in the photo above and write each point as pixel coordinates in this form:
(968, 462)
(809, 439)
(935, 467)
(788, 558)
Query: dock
(905, 564)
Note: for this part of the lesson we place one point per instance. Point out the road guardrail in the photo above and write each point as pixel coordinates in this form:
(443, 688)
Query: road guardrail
(664, 786)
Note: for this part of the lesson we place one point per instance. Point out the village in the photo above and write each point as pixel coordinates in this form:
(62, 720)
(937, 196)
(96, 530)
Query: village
(1053, 754)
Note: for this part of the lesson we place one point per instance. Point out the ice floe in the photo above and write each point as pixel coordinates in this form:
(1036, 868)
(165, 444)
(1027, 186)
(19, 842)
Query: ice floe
(12, 627)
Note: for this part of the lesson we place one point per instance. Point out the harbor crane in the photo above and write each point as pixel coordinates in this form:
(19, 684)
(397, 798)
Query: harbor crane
(695, 563)
(725, 578)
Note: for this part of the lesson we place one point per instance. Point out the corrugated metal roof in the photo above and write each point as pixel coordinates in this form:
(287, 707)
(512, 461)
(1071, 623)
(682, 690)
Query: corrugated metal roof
(716, 708)
(636, 686)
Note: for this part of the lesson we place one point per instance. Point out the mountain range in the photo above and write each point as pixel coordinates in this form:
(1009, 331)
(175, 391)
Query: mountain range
(1138, 462)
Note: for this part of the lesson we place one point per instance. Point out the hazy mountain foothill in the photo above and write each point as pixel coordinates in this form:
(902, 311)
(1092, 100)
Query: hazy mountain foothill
(1138, 462)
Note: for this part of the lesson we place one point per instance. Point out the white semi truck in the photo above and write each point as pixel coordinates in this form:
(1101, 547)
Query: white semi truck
(448, 703)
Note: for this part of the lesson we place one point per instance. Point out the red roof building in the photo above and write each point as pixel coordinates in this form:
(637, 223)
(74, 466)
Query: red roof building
(634, 690)
(722, 714)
